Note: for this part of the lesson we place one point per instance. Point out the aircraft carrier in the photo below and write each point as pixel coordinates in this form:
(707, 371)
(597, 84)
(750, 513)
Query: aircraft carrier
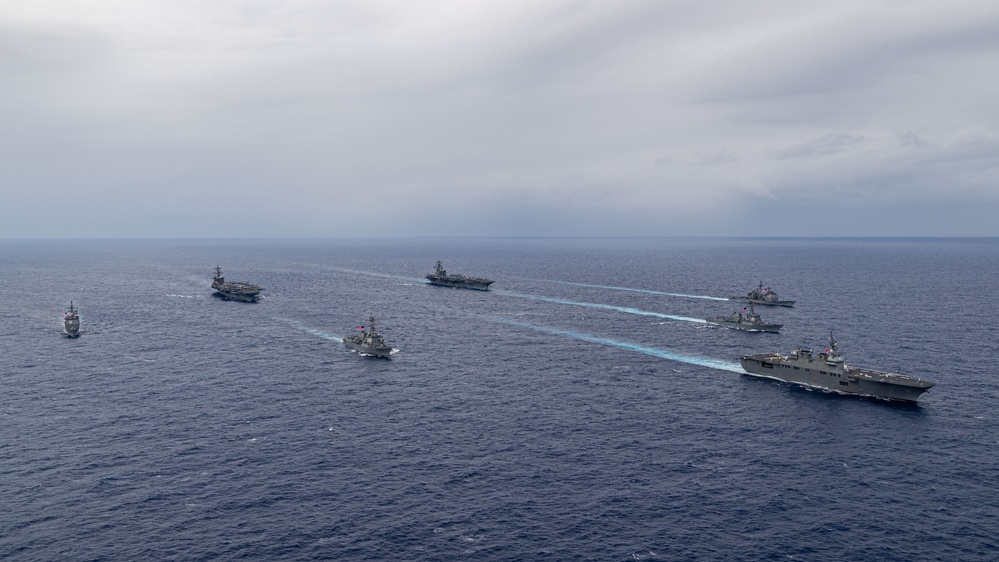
(234, 290)
(440, 277)
(827, 370)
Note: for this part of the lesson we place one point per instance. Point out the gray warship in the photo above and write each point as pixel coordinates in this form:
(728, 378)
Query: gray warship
(748, 321)
(368, 342)
(760, 295)
(440, 277)
(71, 322)
(234, 290)
(827, 370)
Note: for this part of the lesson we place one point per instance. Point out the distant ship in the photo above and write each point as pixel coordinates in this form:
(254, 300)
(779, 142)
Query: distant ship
(368, 342)
(828, 370)
(760, 295)
(71, 322)
(440, 277)
(234, 290)
(742, 320)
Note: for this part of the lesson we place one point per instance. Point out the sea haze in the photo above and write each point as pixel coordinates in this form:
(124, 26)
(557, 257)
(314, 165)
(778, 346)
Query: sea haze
(580, 410)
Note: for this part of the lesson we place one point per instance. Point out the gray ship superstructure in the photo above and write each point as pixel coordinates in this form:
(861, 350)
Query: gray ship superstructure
(71, 322)
(743, 320)
(441, 277)
(760, 295)
(368, 342)
(827, 370)
(234, 290)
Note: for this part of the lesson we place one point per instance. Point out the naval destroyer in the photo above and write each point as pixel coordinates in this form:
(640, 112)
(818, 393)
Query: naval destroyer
(71, 322)
(234, 290)
(368, 342)
(827, 370)
(440, 277)
(760, 295)
(742, 320)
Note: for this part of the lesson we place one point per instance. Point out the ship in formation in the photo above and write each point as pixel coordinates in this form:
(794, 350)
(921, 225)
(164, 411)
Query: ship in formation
(440, 277)
(71, 322)
(234, 290)
(368, 342)
(828, 370)
(742, 320)
(760, 295)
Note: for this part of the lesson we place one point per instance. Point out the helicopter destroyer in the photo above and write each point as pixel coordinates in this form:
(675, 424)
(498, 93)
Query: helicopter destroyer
(368, 343)
(234, 290)
(748, 321)
(440, 277)
(71, 322)
(827, 370)
(760, 295)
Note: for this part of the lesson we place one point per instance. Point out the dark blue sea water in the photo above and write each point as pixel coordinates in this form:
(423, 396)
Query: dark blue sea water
(552, 418)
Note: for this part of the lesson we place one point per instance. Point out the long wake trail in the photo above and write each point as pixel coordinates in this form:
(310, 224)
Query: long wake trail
(629, 289)
(382, 275)
(660, 353)
(601, 306)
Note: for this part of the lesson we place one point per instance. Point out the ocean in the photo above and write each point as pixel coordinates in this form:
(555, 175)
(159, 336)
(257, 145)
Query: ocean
(580, 410)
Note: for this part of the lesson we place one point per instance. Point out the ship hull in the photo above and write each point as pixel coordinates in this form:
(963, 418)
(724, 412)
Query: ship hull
(769, 328)
(242, 297)
(462, 285)
(861, 382)
(71, 332)
(365, 350)
(765, 303)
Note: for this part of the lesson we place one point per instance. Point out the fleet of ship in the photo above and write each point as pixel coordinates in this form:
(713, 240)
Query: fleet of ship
(440, 277)
(368, 342)
(760, 295)
(742, 319)
(71, 322)
(234, 290)
(825, 370)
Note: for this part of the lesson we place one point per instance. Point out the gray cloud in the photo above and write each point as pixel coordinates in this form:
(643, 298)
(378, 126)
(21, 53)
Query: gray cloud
(823, 146)
(559, 118)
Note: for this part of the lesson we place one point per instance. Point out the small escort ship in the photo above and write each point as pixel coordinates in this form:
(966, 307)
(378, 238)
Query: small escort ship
(828, 371)
(368, 342)
(71, 322)
(440, 277)
(748, 321)
(234, 290)
(760, 295)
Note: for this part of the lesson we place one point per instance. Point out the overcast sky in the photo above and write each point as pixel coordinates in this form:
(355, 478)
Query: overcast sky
(302, 118)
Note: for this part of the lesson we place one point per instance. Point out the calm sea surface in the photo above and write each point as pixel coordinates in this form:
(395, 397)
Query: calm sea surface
(578, 411)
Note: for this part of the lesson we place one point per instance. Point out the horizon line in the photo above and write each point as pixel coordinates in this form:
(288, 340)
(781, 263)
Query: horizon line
(423, 237)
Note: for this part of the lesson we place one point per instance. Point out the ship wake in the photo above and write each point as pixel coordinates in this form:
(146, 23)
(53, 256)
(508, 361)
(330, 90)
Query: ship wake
(601, 306)
(654, 352)
(413, 280)
(629, 289)
(310, 331)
